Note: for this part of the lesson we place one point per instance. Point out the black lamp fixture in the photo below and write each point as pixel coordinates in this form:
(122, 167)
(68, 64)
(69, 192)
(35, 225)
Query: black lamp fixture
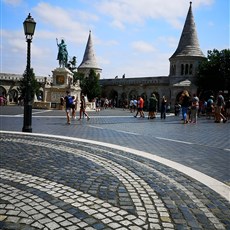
(29, 28)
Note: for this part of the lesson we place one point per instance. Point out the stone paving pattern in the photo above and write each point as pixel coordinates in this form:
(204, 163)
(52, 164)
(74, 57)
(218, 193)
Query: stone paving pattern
(52, 183)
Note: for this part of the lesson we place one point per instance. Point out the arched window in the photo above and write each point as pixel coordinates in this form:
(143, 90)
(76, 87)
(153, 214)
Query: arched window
(173, 69)
(2, 91)
(182, 69)
(13, 95)
(190, 69)
(186, 69)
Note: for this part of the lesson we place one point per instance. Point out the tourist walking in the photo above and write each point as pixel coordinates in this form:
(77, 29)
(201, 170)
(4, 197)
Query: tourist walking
(131, 105)
(74, 107)
(152, 106)
(98, 104)
(210, 107)
(163, 107)
(68, 105)
(140, 107)
(83, 107)
(218, 108)
(194, 108)
(184, 101)
(134, 105)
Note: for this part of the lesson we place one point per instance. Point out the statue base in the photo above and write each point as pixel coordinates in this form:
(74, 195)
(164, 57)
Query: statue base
(62, 81)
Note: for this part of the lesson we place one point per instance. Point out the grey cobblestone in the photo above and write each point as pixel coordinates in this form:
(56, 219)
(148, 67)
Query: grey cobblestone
(58, 184)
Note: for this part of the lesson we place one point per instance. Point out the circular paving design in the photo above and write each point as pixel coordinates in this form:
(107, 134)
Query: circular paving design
(53, 183)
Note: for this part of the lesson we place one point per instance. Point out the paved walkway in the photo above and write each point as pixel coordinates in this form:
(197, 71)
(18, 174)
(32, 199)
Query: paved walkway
(113, 172)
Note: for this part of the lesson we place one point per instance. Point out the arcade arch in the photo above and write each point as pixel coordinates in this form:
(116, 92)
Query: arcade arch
(133, 94)
(13, 95)
(2, 91)
(113, 95)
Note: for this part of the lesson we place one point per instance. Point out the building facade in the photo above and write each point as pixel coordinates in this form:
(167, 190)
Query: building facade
(9, 84)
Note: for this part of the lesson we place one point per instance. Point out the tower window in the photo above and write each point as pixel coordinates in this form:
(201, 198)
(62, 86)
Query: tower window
(190, 69)
(186, 69)
(173, 69)
(182, 69)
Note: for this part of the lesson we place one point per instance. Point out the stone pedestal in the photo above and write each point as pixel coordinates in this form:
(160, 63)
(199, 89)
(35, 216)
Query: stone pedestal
(52, 93)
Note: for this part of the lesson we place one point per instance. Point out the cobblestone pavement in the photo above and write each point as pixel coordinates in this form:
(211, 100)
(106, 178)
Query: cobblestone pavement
(60, 182)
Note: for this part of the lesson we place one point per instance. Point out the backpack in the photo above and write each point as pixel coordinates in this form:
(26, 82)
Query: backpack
(219, 100)
(209, 103)
(69, 100)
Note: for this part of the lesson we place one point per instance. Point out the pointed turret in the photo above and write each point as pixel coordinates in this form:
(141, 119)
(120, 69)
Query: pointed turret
(188, 55)
(89, 59)
(188, 44)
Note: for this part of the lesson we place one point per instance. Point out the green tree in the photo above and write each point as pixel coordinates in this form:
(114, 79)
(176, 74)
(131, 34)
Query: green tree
(214, 73)
(78, 76)
(91, 86)
(34, 85)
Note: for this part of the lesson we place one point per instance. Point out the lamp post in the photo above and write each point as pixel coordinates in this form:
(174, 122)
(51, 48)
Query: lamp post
(29, 27)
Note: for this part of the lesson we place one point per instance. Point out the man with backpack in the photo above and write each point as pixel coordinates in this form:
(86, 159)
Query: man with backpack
(68, 105)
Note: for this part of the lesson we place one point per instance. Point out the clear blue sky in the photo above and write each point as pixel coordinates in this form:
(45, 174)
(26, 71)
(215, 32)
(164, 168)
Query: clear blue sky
(129, 36)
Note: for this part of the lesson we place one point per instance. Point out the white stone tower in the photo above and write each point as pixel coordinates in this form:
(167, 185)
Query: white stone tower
(188, 55)
(89, 59)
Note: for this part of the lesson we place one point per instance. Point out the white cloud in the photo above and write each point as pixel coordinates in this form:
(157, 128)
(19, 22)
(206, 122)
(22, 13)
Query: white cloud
(117, 24)
(107, 42)
(170, 41)
(64, 22)
(142, 46)
(124, 12)
(13, 41)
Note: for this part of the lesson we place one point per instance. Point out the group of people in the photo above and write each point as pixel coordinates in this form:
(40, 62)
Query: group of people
(219, 108)
(152, 106)
(190, 107)
(71, 106)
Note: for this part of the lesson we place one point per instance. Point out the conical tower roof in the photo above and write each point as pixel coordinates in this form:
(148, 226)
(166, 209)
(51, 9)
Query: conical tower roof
(188, 44)
(89, 59)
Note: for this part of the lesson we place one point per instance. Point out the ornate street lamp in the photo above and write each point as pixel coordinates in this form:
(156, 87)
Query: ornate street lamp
(29, 28)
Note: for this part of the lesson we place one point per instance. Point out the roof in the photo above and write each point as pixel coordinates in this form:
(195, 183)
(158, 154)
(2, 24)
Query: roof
(89, 59)
(188, 44)
(183, 83)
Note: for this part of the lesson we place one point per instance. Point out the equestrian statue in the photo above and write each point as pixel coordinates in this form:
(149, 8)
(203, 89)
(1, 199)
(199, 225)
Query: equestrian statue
(62, 56)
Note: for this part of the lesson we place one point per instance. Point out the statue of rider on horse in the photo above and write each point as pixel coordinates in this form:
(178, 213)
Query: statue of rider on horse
(62, 53)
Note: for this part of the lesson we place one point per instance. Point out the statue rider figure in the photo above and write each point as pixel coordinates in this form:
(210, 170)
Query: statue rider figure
(62, 53)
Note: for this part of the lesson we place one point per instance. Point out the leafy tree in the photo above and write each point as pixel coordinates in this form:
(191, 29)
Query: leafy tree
(78, 76)
(34, 85)
(214, 73)
(91, 85)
